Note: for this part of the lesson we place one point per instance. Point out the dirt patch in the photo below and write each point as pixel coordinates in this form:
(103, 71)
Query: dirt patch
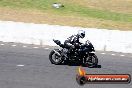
(35, 16)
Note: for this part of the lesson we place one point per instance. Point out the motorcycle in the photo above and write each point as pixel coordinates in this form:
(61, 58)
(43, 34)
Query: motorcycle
(84, 54)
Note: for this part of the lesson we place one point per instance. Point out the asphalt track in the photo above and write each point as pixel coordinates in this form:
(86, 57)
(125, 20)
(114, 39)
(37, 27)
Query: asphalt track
(28, 66)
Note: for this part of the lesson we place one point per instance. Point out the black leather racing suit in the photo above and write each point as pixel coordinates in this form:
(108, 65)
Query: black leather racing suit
(72, 42)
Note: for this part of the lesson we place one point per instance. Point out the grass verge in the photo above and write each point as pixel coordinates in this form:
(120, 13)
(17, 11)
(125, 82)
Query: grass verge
(79, 15)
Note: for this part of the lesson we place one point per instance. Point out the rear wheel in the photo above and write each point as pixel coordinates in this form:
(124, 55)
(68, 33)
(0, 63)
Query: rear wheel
(55, 58)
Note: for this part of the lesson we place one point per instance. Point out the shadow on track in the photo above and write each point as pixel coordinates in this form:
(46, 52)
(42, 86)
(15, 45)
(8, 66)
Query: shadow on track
(77, 64)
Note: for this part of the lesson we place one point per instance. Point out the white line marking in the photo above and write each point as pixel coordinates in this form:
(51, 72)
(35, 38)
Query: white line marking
(35, 47)
(24, 46)
(122, 55)
(13, 45)
(46, 48)
(113, 54)
(103, 53)
(20, 65)
(2, 44)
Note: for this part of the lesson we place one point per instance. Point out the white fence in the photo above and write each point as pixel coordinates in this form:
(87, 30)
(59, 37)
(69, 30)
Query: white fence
(42, 34)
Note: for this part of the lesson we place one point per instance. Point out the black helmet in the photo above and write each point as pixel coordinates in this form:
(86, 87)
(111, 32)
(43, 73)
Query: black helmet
(81, 33)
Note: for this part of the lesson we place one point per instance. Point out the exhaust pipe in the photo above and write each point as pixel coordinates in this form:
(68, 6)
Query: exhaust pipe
(57, 52)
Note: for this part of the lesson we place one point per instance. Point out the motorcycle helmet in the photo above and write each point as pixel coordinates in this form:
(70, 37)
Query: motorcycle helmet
(81, 33)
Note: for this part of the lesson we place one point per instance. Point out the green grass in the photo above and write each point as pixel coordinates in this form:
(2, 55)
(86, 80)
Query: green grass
(94, 13)
(32, 4)
(70, 9)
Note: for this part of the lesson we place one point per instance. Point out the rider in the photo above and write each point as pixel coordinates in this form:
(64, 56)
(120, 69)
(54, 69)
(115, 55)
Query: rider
(73, 41)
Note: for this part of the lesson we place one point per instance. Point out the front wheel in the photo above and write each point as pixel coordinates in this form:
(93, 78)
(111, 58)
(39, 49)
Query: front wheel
(55, 58)
(92, 61)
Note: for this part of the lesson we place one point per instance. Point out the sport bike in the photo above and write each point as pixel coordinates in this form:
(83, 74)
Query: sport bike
(83, 54)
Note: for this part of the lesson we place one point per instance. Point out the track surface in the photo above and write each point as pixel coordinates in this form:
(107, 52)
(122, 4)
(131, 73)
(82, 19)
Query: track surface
(27, 66)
